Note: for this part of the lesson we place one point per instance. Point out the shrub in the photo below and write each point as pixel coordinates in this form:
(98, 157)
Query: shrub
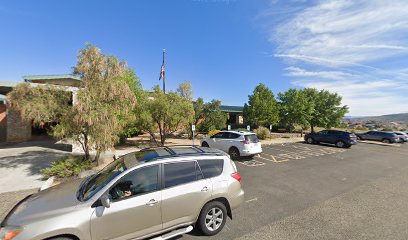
(67, 166)
(213, 132)
(262, 132)
(388, 129)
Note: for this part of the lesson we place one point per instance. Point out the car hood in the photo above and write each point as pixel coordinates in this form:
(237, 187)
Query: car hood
(51, 202)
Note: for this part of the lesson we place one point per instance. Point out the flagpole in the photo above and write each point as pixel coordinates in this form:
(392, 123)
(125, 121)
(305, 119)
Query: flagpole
(164, 73)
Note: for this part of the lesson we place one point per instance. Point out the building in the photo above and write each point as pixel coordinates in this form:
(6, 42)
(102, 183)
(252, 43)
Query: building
(12, 127)
(235, 114)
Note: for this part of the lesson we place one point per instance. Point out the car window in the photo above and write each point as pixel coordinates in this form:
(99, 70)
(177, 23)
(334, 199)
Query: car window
(333, 132)
(234, 135)
(251, 138)
(180, 173)
(211, 168)
(137, 182)
(219, 135)
(323, 132)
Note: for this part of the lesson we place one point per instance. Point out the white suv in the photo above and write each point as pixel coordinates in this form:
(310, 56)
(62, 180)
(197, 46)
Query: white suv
(236, 144)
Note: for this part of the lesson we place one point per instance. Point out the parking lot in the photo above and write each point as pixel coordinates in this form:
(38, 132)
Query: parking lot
(302, 191)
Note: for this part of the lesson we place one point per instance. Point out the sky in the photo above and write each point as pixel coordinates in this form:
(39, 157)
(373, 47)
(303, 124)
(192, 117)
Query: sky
(357, 48)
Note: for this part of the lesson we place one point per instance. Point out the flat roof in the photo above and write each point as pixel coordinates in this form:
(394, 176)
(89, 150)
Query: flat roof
(232, 109)
(51, 77)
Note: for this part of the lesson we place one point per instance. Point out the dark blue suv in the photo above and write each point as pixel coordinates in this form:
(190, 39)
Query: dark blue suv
(341, 139)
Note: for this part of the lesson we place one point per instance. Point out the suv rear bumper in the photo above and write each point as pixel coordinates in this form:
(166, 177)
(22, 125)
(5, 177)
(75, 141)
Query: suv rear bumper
(237, 200)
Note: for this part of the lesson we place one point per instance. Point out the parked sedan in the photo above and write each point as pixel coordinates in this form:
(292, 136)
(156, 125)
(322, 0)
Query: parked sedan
(403, 136)
(386, 137)
(341, 139)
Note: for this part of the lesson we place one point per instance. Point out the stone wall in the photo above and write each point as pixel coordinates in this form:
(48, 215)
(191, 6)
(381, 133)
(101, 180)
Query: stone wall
(18, 130)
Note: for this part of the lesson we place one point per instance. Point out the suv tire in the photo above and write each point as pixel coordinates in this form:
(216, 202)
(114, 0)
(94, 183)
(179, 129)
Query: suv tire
(340, 144)
(310, 140)
(234, 153)
(205, 144)
(212, 218)
(385, 140)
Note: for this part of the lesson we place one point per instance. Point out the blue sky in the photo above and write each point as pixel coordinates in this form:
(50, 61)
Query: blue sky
(224, 48)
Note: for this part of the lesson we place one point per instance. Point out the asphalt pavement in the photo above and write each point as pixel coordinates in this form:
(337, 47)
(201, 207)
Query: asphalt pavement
(301, 191)
(323, 193)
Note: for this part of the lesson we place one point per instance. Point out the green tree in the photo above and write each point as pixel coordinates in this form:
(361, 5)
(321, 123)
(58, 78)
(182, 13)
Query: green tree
(262, 108)
(296, 108)
(163, 112)
(212, 117)
(41, 103)
(101, 103)
(185, 90)
(328, 111)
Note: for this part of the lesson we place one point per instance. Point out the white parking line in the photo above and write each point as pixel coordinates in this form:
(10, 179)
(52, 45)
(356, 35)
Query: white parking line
(251, 200)
(252, 163)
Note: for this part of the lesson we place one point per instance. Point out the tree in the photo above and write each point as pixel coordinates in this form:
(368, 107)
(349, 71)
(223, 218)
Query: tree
(262, 108)
(296, 108)
(41, 103)
(185, 90)
(212, 118)
(102, 101)
(165, 112)
(327, 111)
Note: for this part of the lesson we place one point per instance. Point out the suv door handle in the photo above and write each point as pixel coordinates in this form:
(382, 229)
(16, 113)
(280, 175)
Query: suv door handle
(152, 202)
(205, 189)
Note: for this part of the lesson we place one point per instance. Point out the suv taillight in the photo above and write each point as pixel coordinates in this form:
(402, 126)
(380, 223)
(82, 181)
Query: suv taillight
(236, 176)
(245, 142)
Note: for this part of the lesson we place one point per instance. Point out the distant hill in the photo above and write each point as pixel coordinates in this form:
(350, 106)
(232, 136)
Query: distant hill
(400, 117)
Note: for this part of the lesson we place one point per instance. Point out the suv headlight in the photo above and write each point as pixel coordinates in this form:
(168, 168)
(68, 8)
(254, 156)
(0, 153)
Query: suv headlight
(9, 232)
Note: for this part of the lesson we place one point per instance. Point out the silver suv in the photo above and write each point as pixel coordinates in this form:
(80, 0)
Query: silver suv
(158, 192)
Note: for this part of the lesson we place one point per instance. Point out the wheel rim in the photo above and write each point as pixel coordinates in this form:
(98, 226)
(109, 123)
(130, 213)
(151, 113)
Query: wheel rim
(310, 140)
(214, 219)
(340, 144)
(234, 153)
(386, 141)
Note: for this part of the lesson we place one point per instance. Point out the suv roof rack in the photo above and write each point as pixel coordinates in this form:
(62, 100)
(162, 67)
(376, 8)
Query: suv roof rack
(171, 151)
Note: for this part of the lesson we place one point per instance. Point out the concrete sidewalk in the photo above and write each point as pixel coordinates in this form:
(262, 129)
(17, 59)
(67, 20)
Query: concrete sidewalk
(20, 166)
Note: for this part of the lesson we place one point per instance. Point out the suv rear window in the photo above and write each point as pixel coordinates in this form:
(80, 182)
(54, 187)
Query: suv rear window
(211, 168)
(251, 138)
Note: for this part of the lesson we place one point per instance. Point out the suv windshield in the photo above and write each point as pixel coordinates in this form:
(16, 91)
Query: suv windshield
(94, 183)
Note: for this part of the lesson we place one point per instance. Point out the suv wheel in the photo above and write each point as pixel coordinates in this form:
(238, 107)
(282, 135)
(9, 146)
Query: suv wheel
(310, 140)
(386, 140)
(204, 144)
(212, 218)
(234, 153)
(340, 144)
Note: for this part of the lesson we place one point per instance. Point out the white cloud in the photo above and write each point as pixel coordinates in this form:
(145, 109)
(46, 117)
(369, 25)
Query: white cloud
(347, 46)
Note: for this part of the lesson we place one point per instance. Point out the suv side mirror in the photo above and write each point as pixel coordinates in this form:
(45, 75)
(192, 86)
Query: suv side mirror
(105, 200)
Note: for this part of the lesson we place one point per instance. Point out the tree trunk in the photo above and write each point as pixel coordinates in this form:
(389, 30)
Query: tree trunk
(312, 127)
(85, 146)
(98, 154)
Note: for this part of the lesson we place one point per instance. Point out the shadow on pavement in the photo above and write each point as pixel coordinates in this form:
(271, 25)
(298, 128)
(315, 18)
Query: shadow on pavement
(36, 161)
(45, 142)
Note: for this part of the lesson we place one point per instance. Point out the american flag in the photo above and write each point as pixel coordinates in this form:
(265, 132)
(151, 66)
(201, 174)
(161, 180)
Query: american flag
(162, 72)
